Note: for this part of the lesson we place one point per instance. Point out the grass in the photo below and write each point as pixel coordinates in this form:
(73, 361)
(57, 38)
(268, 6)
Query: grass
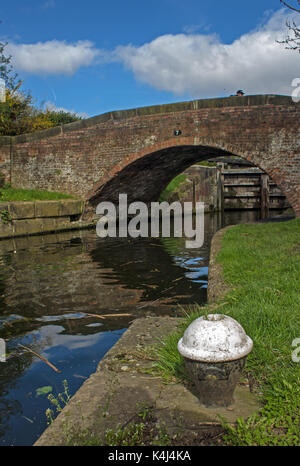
(143, 430)
(172, 186)
(206, 163)
(261, 263)
(7, 193)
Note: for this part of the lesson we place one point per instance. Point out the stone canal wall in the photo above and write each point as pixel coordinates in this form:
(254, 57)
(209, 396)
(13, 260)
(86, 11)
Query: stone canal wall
(30, 218)
(203, 184)
(5, 159)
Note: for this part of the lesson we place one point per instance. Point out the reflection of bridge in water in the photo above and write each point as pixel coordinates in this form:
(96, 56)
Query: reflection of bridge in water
(84, 274)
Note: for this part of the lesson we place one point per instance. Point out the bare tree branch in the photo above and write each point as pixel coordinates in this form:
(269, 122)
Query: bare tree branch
(290, 6)
(292, 40)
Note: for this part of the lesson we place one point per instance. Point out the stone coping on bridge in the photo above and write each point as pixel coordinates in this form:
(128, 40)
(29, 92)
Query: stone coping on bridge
(220, 102)
(39, 217)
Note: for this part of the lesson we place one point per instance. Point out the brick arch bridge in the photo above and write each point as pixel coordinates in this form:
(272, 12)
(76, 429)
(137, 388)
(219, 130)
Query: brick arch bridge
(139, 151)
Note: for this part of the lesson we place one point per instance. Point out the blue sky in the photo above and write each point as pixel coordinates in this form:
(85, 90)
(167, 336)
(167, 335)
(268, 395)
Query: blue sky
(96, 56)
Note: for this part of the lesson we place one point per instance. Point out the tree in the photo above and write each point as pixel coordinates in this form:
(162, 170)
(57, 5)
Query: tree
(6, 69)
(18, 114)
(61, 117)
(292, 41)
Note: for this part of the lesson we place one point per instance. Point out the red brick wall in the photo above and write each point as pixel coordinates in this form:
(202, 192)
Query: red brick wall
(80, 157)
(5, 158)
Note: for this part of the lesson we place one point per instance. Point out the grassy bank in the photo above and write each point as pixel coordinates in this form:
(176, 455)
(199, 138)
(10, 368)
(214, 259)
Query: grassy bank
(12, 194)
(172, 186)
(261, 264)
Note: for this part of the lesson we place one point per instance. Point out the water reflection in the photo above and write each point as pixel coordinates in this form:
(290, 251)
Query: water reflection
(54, 288)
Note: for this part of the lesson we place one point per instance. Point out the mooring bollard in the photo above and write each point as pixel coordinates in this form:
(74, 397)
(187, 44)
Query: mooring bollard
(215, 348)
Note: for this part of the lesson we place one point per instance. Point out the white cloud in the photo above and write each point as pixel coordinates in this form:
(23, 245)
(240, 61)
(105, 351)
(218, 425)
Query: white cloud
(52, 57)
(194, 64)
(201, 65)
(49, 4)
(193, 28)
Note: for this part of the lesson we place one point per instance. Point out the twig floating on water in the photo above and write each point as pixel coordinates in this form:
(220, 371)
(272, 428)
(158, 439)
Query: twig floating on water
(108, 315)
(127, 263)
(27, 419)
(167, 289)
(148, 304)
(41, 357)
(153, 302)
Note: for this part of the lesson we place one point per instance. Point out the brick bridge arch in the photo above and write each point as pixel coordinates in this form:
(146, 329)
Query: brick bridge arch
(144, 175)
(137, 152)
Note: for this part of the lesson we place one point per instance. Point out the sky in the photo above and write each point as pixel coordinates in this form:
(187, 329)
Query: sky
(92, 57)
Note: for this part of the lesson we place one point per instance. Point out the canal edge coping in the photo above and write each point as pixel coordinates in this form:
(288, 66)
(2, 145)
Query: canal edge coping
(28, 218)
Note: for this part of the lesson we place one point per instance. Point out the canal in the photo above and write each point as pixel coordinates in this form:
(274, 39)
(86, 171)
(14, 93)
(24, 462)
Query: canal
(53, 289)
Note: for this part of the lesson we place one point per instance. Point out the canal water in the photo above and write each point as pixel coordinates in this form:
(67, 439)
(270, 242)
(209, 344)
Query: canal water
(53, 289)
